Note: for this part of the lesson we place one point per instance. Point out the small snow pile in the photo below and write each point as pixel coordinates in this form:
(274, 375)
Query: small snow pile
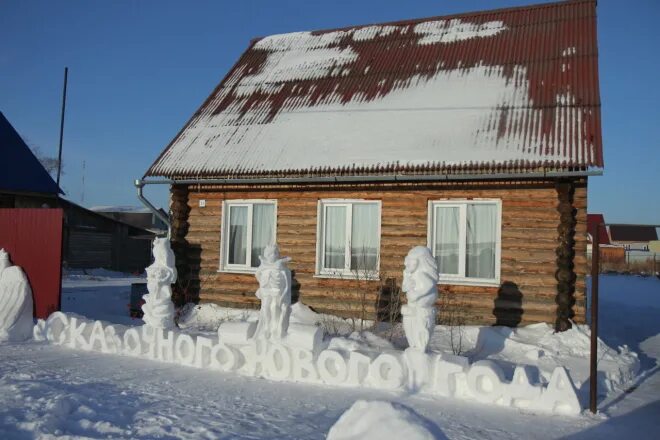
(539, 346)
(302, 314)
(208, 316)
(380, 420)
(16, 305)
(360, 341)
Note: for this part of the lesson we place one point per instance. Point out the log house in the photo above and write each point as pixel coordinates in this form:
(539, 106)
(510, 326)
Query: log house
(473, 134)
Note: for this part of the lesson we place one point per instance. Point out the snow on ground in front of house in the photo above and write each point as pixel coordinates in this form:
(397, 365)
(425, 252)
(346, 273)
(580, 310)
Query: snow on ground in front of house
(51, 390)
(99, 294)
(534, 345)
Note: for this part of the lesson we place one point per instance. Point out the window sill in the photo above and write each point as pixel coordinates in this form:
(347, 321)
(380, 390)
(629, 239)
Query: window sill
(465, 282)
(241, 271)
(350, 276)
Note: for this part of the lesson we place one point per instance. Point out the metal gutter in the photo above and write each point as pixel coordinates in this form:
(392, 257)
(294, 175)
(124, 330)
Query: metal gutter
(354, 179)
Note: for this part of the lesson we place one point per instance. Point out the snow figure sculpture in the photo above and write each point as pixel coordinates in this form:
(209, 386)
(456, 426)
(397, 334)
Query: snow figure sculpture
(420, 282)
(275, 294)
(16, 321)
(158, 308)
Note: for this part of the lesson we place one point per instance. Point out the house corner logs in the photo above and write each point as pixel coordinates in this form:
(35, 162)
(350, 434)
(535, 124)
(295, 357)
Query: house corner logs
(565, 273)
(179, 210)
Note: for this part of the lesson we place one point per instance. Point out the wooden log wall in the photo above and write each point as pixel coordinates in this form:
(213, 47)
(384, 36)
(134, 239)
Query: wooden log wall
(530, 221)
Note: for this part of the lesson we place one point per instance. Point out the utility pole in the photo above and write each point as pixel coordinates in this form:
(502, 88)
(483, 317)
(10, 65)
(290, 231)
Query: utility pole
(59, 154)
(82, 192)
(593, 359)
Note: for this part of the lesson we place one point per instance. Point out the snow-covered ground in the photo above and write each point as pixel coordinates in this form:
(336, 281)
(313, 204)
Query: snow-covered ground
(99, 294)
(47, 390)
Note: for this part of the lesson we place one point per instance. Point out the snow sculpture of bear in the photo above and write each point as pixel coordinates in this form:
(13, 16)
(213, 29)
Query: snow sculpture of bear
(420, 282)
(158, 308)
(275, 294)
(16, 322)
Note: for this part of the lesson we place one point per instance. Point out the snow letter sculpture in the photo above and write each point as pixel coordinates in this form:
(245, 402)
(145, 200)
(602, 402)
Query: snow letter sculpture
(275, 294)
(158, 308)
(420, 282)
(16, 322)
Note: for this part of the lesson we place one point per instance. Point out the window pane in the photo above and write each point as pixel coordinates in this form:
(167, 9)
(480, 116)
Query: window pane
(263, 220)
(364, 238)
(237, 235)
(335, 237)
(446, 247)
(481, 233)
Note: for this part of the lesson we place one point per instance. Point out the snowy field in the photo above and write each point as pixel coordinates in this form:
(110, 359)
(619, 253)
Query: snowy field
(48, 391)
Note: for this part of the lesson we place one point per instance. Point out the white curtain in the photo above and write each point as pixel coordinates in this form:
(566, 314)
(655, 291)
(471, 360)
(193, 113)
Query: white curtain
(263, 220)
(364, 238)
(446, 239)
(335, 237)
(481, 236)
(237, 235)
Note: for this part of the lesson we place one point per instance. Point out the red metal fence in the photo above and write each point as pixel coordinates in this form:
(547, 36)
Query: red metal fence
(33, 238)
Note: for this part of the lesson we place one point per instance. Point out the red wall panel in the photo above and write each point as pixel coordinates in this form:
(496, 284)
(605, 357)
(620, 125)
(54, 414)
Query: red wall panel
(33, 238)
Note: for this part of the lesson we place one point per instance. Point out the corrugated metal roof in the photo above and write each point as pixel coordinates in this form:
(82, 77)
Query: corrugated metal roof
(635, 233)
(505, 90)
(20, 170)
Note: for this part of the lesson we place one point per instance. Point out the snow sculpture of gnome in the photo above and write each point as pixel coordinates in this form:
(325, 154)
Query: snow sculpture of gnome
(16, 321)
(158, 308)
(420, 282)
(275, 294)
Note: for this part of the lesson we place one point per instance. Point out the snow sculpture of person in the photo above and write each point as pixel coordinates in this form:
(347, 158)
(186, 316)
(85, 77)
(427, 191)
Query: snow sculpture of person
(275, 294)
(16, 322)
(158, 308)
(420, 283)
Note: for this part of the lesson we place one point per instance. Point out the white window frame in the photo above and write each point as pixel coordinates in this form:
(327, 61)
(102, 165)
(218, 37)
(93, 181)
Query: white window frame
(322, 272)
(224, 237)
(460, 278)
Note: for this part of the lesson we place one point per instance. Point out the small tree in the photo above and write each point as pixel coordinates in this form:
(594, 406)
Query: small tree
(454, 314)
(50, 163)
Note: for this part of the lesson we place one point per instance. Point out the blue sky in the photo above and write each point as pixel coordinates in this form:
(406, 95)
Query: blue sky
(138, 70)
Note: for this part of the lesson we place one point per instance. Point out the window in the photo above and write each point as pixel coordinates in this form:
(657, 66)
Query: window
(464, 237)
(249, 226)
(348, 238)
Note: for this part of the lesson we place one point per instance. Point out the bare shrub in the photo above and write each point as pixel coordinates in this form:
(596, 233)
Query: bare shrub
(454, 313)
(388, 305)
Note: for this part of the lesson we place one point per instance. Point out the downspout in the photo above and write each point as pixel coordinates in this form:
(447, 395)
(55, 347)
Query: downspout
(139, 184)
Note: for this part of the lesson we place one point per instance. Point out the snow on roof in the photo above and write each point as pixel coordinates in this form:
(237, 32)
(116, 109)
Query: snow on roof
(119, 208)
(495, 90)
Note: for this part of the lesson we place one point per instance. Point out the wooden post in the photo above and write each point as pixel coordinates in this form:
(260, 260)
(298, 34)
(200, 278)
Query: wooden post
(565, 273)
(179, 210)
(593, 359)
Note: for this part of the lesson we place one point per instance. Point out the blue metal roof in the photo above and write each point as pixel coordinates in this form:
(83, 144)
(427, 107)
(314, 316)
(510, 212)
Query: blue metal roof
(20, 170)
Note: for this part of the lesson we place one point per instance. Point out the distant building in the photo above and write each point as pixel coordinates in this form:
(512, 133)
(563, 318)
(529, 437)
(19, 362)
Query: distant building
(90, 239)
(593, 220)
(633, 237)
(608, 252)
(94, 240)
(134, 216)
